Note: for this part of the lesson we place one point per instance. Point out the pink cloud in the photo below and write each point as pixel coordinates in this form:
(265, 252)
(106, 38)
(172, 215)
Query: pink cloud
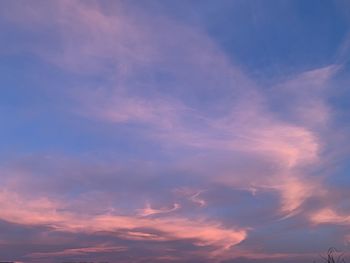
(123, 48)
(148, 210)
(193, 195)
(329, 216)
(44, 212)
(77, 251)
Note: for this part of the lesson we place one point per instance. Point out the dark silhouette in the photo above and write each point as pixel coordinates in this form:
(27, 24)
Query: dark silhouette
(333, 256)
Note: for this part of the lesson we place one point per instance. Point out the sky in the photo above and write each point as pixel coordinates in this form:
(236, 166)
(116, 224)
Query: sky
(174, 131)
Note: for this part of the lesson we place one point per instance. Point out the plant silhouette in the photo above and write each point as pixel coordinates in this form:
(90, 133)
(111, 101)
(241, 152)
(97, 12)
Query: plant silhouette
(333, 256)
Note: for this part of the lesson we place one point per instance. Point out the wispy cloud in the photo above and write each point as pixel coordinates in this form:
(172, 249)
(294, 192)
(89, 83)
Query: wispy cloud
(77, 252)
(163, 131)
(148, 210)
(15, 209)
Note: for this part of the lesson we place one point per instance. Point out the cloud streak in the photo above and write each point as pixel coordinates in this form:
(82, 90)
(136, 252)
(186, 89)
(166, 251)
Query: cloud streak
(160, 137)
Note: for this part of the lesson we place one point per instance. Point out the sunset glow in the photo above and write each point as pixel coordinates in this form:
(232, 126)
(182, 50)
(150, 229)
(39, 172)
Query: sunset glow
(174, 131)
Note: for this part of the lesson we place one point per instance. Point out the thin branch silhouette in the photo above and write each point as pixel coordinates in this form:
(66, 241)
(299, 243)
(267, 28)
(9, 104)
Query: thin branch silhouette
(333, 256)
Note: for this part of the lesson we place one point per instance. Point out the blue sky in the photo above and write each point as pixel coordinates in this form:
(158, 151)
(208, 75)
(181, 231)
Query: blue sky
(174, 131)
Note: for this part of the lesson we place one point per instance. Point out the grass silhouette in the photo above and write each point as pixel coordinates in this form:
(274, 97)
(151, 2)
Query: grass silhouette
(333, 256)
